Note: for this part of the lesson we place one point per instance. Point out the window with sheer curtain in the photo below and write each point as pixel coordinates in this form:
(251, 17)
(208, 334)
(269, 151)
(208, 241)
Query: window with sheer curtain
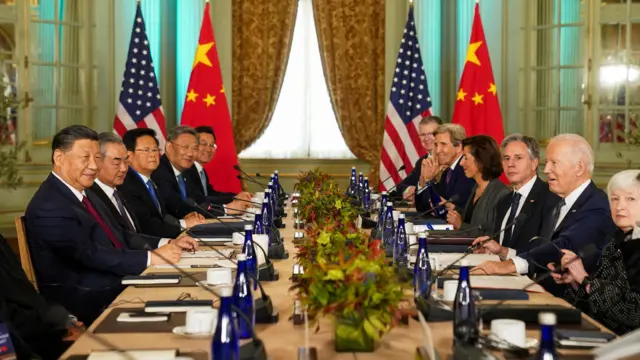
(303, 124)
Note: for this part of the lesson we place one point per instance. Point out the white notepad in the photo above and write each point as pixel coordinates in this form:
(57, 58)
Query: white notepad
(133, 355)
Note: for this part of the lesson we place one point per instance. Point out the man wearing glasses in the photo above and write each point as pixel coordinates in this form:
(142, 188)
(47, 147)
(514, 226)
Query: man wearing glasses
(427, 126)
(176, 184)
(142, 194)
(206, 152)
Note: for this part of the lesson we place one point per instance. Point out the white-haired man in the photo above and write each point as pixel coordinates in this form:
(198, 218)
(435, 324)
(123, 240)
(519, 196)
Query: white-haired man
(581, 217)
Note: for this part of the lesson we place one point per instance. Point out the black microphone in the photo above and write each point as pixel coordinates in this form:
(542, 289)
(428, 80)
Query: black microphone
(518, 219)
(276, 249)
(390, 176)
(252, 180)
(254, 350)
(247, 176)
(247, 201)
(453, 199)
(469, 251)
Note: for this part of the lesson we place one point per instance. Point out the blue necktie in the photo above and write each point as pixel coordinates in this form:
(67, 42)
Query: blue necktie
(183, 187)
(203, 179)
(515, 201)
(154, 196)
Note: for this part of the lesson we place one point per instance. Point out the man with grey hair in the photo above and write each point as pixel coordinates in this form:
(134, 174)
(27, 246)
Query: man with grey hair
(530, 196)
(171, 176)
(582, 216)
(445, 165)
(115, 163)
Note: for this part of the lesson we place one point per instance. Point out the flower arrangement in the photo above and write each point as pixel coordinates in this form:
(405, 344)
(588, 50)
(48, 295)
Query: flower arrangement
(345, 275)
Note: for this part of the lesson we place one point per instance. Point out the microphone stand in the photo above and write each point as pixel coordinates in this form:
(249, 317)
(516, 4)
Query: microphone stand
(430, 307)
(276, 247)
(255, 350)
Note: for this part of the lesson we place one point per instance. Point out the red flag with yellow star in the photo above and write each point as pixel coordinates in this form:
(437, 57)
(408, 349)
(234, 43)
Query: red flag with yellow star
(206, 104)
(477, 107)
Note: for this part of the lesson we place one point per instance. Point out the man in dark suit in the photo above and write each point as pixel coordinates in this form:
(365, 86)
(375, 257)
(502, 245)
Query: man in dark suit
(79, 252)
(581, 217)
(35, 326)
(530, 196)
(113, 171)
(197, 173)
(446, 164)
(426, 128)
(141, 193)
(175, 185)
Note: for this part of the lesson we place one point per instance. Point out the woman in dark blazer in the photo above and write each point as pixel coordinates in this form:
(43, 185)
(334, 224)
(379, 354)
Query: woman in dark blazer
(611, 294)
(481, 161)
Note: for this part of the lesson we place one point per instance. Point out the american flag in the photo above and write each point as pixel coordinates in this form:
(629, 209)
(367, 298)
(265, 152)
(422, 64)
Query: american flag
(409, 102)
(140, 105)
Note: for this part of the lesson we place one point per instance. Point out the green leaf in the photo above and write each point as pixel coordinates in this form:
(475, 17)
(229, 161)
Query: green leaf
(377, 323)
(338, 204)
(334, 274)
(324, 238)
(371, 330)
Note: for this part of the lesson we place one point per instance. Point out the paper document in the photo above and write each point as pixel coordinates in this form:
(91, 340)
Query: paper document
(133, 355)
(219, 239)
(442, 260)
(507, 282)
(425, 228)
(220, 254)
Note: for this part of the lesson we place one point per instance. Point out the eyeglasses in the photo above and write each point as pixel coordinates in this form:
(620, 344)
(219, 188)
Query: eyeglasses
(211, 146)
(185, 147)
(149, 150)
(427, 135)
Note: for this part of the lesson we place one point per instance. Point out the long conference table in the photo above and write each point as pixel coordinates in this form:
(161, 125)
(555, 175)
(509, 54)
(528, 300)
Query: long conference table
(282, 339)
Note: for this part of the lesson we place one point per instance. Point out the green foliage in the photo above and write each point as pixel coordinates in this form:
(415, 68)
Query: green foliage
(344, 275)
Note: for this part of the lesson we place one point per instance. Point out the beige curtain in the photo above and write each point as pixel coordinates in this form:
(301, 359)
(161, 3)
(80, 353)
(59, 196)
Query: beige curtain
(351, 39)
(262, 36)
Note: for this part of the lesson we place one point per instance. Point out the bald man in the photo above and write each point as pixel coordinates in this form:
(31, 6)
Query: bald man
(581, 217)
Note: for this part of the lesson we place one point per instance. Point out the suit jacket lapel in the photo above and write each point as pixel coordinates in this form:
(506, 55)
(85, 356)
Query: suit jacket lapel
(529, 206)
(142, 187)
(569, 218)
(108, 219)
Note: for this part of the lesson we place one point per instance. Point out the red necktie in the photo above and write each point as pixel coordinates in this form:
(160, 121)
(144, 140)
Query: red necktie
(94, 213)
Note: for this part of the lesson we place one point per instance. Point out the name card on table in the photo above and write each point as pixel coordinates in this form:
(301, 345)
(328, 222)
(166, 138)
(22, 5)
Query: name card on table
(133, 355)
(427, 227)
(7, 352)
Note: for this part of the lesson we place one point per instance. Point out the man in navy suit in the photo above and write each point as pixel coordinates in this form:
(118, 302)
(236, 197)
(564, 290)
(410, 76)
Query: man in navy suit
(79, 252)
(581, 217)
(446, 164)
(531, 196)
(426, 128)
(176, 185)
(206, 151)
(140, 192)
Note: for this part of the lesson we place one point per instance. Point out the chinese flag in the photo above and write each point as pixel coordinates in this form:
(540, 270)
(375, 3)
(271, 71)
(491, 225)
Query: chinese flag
(206, 104)
(477, 107)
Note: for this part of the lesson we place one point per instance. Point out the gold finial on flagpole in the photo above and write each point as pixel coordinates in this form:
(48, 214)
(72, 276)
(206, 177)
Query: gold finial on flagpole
(410, 2)
(206, 1)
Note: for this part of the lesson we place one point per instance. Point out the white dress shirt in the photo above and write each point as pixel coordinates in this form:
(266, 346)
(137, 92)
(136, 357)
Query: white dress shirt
(522, 266)
(524, 193)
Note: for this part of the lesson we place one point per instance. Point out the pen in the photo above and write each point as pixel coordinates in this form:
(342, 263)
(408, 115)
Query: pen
(203, 266)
